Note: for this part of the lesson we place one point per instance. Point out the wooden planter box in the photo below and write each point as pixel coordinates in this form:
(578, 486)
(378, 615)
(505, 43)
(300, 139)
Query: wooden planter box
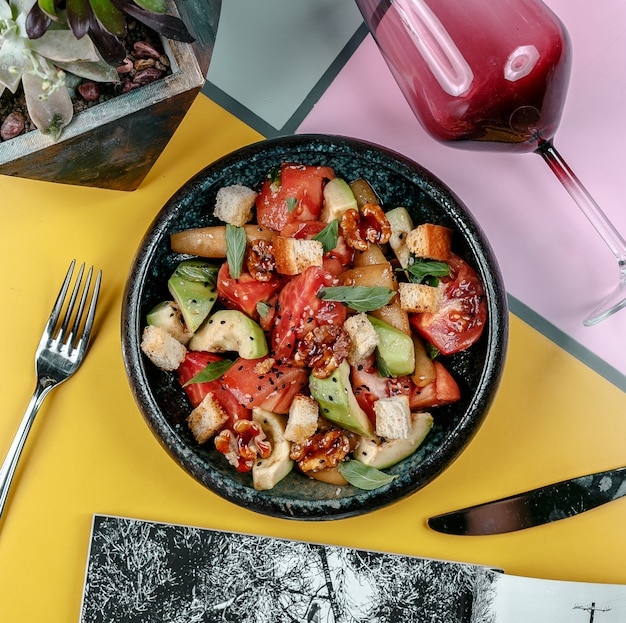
(115, 144)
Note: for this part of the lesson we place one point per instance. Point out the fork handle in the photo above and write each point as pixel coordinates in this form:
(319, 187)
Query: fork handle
(7, 471)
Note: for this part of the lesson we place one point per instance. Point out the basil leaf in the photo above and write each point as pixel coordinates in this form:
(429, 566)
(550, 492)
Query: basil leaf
(359, 298)
(203, 273)
(274, 176)
(263, 308)
(329, 236)
(213, 371)
(426, 271)
(292, 204)
(235, 249)
(431, 350)
(383, 369)
(363, 476)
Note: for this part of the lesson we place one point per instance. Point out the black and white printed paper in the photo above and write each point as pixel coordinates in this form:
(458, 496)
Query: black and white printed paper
(140, 571)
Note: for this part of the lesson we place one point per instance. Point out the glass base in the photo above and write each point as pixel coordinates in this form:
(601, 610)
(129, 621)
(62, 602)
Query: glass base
(615, 301)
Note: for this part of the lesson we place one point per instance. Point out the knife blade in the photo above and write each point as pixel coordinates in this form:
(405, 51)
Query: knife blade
(536, 507)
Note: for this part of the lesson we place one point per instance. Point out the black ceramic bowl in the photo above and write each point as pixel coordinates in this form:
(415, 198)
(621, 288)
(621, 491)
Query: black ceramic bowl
(398, 181)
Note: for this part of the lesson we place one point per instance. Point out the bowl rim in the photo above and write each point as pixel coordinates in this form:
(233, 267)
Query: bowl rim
(365, 501)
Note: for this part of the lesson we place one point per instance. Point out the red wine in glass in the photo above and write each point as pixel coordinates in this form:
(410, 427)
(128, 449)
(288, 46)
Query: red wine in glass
(489, 75)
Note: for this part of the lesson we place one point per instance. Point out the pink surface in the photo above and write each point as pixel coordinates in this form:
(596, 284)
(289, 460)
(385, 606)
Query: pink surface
(552, 259)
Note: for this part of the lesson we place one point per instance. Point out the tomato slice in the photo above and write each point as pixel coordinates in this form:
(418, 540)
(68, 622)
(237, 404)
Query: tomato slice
(443, 390)
(336, 260)
(244, 293)
(299, 311)
(194, 363)
(299, 184)
(302, 230)
(460, 321)
(369, 386)
(273, 390)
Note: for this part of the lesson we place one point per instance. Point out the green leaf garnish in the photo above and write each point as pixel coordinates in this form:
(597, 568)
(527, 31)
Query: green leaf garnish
(329, 236)
(213, 371)
(431, 350)
(359, 298)
(263, 308)
(363, 476)
(274, 176)
(383, 370)
(426, 271)
(235, 249)
(203, 273)
(292, 204)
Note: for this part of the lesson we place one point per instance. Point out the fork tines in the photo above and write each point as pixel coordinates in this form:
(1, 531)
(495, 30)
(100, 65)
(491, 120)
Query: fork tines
(69, 340)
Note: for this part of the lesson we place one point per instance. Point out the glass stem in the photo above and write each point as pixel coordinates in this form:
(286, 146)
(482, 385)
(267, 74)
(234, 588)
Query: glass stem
(584, 200)
(616, 300)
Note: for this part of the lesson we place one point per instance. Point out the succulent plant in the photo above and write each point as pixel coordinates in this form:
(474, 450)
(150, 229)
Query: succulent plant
(105, 21)
(42, 41)
(40, 66)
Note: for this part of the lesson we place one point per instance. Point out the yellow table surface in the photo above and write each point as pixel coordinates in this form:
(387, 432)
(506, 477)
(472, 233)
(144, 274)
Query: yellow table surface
(90, 451)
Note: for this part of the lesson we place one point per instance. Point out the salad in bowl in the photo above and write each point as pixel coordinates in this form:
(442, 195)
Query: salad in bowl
(314, 327)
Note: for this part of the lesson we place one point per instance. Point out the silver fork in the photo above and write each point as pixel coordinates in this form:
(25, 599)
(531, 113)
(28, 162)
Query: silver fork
(58, 356)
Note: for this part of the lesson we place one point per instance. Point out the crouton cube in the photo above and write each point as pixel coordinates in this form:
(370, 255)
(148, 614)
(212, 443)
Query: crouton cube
(163, 350)
(303, 416)
(207, 418)
(294, 256)
(419, 297)
(363, 338)
(430, 241)
(233, 204)
(393, 417)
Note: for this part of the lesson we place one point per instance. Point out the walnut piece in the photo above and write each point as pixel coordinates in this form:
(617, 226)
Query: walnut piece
(368, 225)
(375, 226)
(260, 260)
(323, 349)
(349, 225)
(323, 450)
(243, 444)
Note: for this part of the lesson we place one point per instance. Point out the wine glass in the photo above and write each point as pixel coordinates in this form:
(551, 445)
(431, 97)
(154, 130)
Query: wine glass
(490, 75)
